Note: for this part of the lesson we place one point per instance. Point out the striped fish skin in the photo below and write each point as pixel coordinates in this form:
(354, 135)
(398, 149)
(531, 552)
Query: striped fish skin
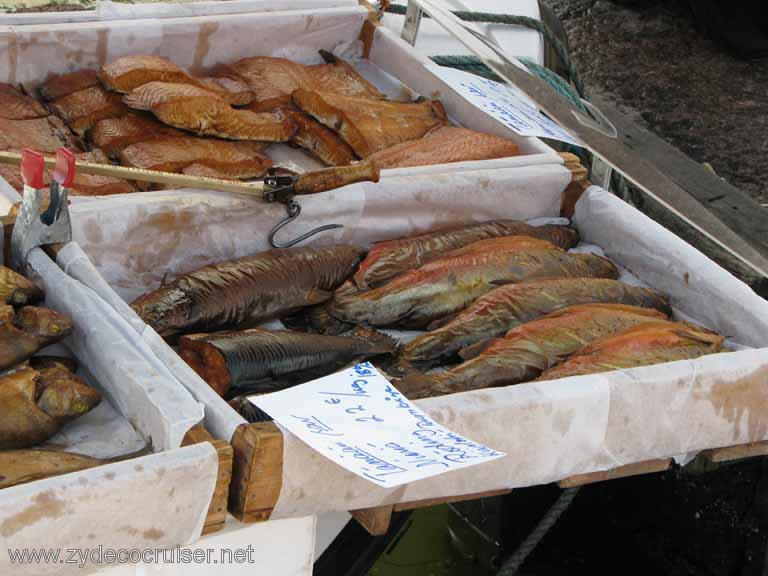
(642, 345)
(245, 292)
(205, 113)
(529, 349)
(115, 134)
(447, 285)
(15, 105)
(260, 356)
(81, 110)
(41, 134)
(497, 312)
(385, 260)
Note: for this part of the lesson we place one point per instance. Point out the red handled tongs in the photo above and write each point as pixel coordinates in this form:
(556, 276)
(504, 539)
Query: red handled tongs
(34, 228)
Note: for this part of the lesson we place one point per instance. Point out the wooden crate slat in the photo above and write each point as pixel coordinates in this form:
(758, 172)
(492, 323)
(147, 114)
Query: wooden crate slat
(645, 467)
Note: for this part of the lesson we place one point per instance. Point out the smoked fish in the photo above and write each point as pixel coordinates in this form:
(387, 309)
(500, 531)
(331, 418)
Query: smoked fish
(235, 159)
(82, 109)
(273, 80)
(201, 111)
(443, 145)
(35, 405)
(245, 292)
(41, 134)
(22, 466)
(97, 185)
(64, 84)
(370, 125)
(319, 141)
(16, 290)
(529, 349)
(449, 284)
(114, 134)
(26, 330)
(258, 359)
(641, 345)
(15, 105)
(500, 310)
(385, 260)
(130, 72)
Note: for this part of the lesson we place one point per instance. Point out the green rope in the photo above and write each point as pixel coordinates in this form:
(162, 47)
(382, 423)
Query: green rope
(515, 20)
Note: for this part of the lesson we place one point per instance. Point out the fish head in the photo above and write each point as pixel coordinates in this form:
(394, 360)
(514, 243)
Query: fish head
(43, 323)
(64, 396)
(168, 312)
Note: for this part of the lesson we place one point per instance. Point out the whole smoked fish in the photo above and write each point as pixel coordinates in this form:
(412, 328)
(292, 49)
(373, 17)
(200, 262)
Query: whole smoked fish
(22, 466)
(385, 260)
(529, 349)
(370, 125)
(35, 405)
(24, 332)
(16, 290)
(245, 292)
(642, 345)
(205, 113)
(260, 357)
(500, 310)
(447, 285)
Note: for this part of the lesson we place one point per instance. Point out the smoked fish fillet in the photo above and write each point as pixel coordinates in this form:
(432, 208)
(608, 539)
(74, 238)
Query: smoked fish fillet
(203, 112)
(323, 143)
(130, 72)
(64, 84)
(273, 80)
(114, 134)
(529, 349)
(233, 159)
(14, 105)
(97, 185)
(641, 345)
(443, 145)
(370, 125)
(82, 109)
(40, 134)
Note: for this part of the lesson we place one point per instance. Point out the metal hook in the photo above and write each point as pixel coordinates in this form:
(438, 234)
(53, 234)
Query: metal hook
(294, 210)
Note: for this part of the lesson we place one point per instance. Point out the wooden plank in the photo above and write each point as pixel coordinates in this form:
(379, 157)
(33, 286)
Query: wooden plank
(448, 500)
(645, 467)
(217, 511)
(257, 471)
(572, 162)
(736, 452)
(374, 520)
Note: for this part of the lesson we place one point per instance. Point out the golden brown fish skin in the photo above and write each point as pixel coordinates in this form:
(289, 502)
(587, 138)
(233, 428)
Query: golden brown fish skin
(16, 290)
(115, 134)
(15, 105)
(81, 110)
(642, 345)
(94, 184)
(447, 285)
(385, 260)
(22, 466)
(370, 125)
(40, 134)
(29, 415)
(444, 145)
(259, 357)
(500, 310)
(232, 159)
(529, 349)
(204, 113)
(64, 84)
(24, 332)
(273, 80)
(245, 292)
(319, 141)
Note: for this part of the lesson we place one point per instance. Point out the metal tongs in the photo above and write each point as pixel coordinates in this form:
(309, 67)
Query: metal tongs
(284, 188)
(34, 228)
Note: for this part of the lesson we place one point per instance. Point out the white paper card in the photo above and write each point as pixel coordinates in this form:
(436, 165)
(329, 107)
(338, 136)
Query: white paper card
(360, 421)
(504, 103)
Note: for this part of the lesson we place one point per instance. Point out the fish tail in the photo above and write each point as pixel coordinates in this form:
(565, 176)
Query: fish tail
(378, 342)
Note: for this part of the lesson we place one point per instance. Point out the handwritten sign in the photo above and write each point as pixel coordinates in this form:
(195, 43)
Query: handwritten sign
(360, 421)
(505, 104)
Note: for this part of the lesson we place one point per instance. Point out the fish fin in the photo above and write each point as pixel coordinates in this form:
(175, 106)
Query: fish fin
(381, 343)
(316, 296)
(440, 322)
(475, 349)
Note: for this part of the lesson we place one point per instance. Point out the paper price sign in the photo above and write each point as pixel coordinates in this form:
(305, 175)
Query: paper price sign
(360, 421)
(503, 103)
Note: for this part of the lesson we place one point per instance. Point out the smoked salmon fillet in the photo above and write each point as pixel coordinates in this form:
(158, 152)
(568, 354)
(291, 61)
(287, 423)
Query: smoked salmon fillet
(82, 109)
(203, 112)
(40, 134)
(14, 105)
(370, 125)
(321, 142)
(273, 80)
(64, 84)
(95, 185)
(126, 74)
(232, 159)
(115, 134)
(443, 145)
